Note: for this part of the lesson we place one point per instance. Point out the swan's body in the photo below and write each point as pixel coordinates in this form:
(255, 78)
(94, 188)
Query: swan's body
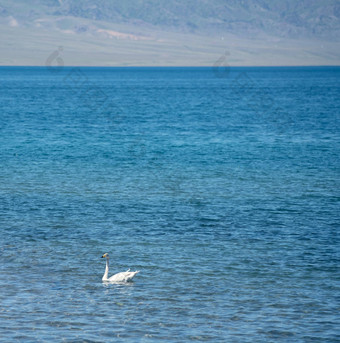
(119, 277)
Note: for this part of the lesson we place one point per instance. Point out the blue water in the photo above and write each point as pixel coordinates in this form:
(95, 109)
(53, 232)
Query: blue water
(220, 185)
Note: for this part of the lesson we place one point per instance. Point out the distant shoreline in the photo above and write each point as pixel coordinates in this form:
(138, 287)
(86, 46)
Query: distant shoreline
(172, 66)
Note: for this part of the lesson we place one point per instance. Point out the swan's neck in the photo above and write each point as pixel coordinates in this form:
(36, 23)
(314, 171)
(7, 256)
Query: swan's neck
(106, 270)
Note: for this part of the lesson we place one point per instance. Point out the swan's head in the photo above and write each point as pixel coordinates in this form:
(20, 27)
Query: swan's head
(106, 255)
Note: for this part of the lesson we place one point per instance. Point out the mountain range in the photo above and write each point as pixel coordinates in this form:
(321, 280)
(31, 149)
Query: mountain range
(170, 32)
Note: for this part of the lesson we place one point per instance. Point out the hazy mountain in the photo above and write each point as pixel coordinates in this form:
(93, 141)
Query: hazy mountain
(280, 17)
(168, 32)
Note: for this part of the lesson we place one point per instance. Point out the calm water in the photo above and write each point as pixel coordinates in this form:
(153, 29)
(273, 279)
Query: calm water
(220, 186)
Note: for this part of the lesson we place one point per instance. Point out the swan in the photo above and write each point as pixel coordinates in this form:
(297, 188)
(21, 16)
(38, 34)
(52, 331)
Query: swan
(119, 277)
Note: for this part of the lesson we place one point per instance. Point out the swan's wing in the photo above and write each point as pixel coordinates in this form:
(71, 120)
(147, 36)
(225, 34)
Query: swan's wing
(118, 277)
(123, 276)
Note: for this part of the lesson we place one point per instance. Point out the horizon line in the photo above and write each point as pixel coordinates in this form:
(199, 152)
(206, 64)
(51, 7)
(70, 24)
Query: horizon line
(170, 66)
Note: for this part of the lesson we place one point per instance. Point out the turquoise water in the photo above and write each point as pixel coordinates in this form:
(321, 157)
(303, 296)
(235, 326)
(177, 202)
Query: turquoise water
(220, 185)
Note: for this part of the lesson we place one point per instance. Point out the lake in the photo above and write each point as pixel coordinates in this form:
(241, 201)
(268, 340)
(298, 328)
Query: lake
(221, 185)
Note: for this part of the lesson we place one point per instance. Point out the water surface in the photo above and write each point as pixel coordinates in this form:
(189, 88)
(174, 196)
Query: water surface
(220, 186)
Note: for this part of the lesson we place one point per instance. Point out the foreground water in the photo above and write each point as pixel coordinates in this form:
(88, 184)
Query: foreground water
(221, 186)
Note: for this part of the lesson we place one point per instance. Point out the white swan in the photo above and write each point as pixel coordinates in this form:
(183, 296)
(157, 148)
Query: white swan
(119, 277)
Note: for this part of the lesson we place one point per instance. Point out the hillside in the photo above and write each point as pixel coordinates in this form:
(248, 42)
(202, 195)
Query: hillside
(173, 32)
